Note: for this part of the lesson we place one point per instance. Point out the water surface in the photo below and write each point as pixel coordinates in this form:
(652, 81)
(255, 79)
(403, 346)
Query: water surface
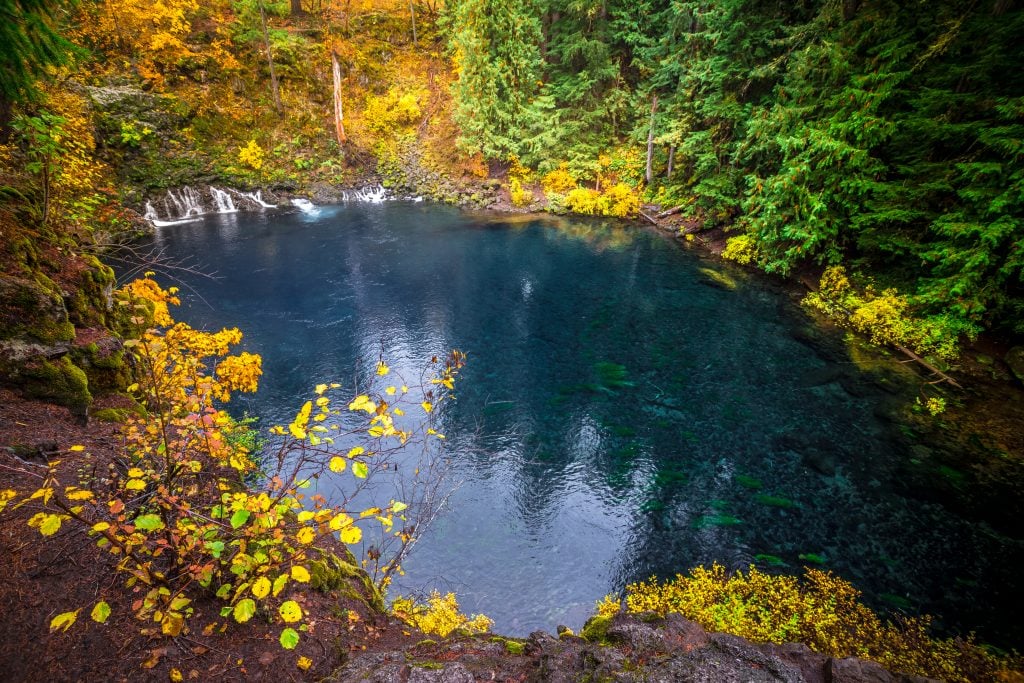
(623, 413)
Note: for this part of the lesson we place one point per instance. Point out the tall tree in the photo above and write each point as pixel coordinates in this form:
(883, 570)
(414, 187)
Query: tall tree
(497, 61)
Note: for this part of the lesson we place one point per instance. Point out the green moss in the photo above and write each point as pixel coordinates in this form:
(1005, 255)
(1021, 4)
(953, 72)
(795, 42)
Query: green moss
(596, 629)
(60, 381)
(333, 573)
(110, 414)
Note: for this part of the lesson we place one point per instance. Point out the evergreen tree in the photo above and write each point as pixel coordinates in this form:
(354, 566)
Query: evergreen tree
(30, 42)
(497, 62)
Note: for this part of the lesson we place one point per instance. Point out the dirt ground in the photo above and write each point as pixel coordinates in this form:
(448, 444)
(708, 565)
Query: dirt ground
(40, 578)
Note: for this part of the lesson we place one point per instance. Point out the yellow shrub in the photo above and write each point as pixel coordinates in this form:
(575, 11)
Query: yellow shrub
(740, 249)
(886, 318)
(251, 155)
(395, 109)
(619, 200)
(582, 200)
(558, 181)
(440, 616)
(822, 611)
(517, 171)
(519, 195)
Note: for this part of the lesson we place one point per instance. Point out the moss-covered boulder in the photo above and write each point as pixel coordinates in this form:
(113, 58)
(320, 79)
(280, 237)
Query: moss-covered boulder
(31, 313)
(59, 381)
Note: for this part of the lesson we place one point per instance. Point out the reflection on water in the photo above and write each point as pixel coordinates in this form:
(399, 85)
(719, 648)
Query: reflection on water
(623, 413)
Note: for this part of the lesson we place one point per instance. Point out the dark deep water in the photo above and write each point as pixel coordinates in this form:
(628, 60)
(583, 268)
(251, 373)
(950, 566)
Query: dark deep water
(619, 416)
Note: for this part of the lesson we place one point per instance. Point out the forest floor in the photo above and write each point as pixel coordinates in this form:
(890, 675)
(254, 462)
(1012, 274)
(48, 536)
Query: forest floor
(40, 578)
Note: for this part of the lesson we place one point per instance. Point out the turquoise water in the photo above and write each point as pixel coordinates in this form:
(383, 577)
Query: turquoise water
(623, 412)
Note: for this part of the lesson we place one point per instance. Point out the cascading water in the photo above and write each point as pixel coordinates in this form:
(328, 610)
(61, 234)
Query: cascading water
(222, 200)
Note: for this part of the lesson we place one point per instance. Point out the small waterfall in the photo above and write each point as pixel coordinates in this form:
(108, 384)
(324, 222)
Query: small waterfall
(188, 204)
(374, 194)
(257, 198)
(305, 206)
(222, 200)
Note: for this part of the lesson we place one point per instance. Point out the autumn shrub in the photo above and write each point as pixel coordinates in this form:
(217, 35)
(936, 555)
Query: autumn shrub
(439, 615)
(740, 249)
(887, 316)
(388, 113)
(558, 181)
(619, 201)
(582, 200)
(251, 155)
(191, 511)
(821, 610)
(520, 196)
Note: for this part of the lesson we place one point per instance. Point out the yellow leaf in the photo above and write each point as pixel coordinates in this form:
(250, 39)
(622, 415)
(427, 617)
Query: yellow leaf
(290, 611)
(300, 574)
(351, 534)
(279, 584)
(80, 495)
(176, 676)
(306, 515)
(427, 406)
(382, 368)
(135, 484)
(244, 610)
(100, 526)
(261, 587)
(63, 621)
(363, 402)
(304, 663)
(135, 472)
(100, 612)
(320, 388)
(390, 391)
(305, 535)
(340, 520)
(77, 449)
(50, 525)
(358, 450)
(405, 389)
(337, 464)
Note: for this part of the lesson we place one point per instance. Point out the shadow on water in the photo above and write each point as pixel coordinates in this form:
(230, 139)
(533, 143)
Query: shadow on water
(628, 410)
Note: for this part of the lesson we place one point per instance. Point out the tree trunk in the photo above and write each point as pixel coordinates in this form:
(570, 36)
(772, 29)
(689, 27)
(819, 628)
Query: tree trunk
(650, 141)
(671, 161)
(270, 60)
(339, 126)
(297, 8)
(412, 18)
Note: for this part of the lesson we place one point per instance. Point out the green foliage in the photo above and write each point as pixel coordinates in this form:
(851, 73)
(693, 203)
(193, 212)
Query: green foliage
(822, 611)
(31, 43)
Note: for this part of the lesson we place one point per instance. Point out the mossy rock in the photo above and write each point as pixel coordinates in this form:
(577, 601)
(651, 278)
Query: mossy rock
(104, 364)
(34, 311)
(111, 414)
(59, 381)
(333, 573)
(596, 629)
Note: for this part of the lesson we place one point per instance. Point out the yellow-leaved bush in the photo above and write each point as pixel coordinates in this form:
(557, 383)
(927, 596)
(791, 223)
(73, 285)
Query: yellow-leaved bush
(440, 615)
(740, 249)
(821, 610)
(194, 511)
(886, 317)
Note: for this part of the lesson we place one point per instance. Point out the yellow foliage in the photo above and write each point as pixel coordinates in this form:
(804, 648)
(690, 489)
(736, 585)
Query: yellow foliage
(517, 171)
(558, 181)
(822, 611)
(440, 616)
(620, 201)
(884, 317)
(582, 200)
(397, 108)
(519, 195)
(740, 249)
(251, 155)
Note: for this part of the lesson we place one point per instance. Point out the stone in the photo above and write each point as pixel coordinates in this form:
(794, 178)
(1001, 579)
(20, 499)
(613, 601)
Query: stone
(1015, 360)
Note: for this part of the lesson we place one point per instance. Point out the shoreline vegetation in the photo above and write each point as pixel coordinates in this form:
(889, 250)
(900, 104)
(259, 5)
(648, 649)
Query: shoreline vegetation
(867, 151)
